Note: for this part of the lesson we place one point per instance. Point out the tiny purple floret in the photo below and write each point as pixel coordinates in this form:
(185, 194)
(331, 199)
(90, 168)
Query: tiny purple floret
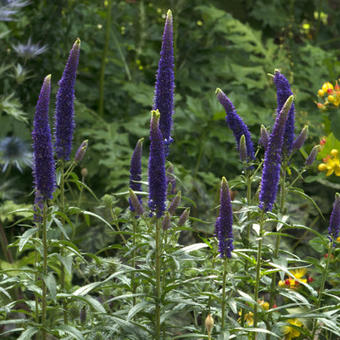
(334, 222)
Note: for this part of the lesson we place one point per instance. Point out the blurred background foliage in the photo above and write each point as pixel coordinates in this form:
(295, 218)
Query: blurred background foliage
(228, 44)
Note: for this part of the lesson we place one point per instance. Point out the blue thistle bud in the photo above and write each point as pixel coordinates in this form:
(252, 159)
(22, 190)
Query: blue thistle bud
(301, 138)
(156, 168)
(43, 162)
(136, 171)
(184, 217)
(235, 123)
(165, 84)
(224, 222)
(311, 158)
(264, 137)
(334, 222)
(174, 204)
(81, 151)
(283, 91)
(64, 114)
(272, 159)
(135, 203)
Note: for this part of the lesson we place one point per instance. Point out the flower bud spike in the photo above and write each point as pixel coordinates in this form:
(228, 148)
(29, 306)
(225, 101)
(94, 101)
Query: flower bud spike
(174, 204)
(184, 217)
(264, 137)
(334, 221)
(301, 138)
(134, 201)
(166, 223)
(81, 151)
(243, 148)
(312, 156)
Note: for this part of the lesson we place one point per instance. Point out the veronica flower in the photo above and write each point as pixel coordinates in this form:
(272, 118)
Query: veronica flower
(175, 203)
(235, 123)
(81, 151)
(301, 138)
(184, 217)
(334, 222)
(283, 91)
(64, 115)
(224, 222)
(44, 167)
(311, 158)
(136, 171)
(156, 168)
(272, 159)
(264, 137)
(164, 89)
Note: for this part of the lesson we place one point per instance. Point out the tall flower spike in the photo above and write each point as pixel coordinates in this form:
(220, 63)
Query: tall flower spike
(64, 114)
(272, 159)
(235, 123)
(301, 138)
(174, 204)
(311, 158)
(136, 171)
(264, 137)
(157, 178)
(165, 84)
(334, 222)
(243, 149)
(224, 222)
(283, 91)
(43, 162)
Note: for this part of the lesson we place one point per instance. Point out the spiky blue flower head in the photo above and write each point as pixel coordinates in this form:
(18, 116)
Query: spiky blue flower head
(235, 123)
(334, 222)
(224, 222)
(64, 114)
(283, 91)
(156, 168)
(43, 161)
(165, 83)
(136, 171)
(272, 159)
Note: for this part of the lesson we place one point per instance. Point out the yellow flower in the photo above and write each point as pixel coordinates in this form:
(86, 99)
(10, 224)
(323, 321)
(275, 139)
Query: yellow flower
(248, 318)
(282, 284)
(321, 93)
(291, 332)
(327, 86)
(338, 239)
(332, 164)
(263, 304)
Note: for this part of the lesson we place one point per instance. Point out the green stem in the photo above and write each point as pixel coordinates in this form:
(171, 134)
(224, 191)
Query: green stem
(36, 277)
(322, 286)
(249, 178)
(158, 279)
(104, 57)
(44, 288)
(223, 293)
(258, 270)
(133, 283)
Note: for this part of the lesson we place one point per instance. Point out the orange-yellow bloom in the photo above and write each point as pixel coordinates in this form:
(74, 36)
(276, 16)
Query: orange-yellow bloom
(331, 163)
(291, 332)
(247, 317)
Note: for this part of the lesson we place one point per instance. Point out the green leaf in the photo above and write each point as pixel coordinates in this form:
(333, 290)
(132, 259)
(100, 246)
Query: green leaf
(51, 285)
(24, 238)
(317, 245)
(70, 330)
(89, 213)
(137, 308)
(28, 333)
(95, 304)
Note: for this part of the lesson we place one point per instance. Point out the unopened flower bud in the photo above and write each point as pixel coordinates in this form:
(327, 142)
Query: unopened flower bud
(311, 158)
(243, 148)
(84, 172)
(209, 324)
(264, 137)
(301, 138)
(138, 208)
(166, 224)
(183, 218)
(81, 151)
(174, 204)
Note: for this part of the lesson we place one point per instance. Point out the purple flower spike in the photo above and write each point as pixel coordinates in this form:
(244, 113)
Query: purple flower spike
(136, 171)
(283, 91)
(272, 159)
(224, 222)
(157, 178)
(301, 138)
(135, 204)
(184, 217)
(43, 165)
(165, 83)
(175, 203)
(311, 158)
(64, 114)
(264, 137)
(334, 222)
(235, 123)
